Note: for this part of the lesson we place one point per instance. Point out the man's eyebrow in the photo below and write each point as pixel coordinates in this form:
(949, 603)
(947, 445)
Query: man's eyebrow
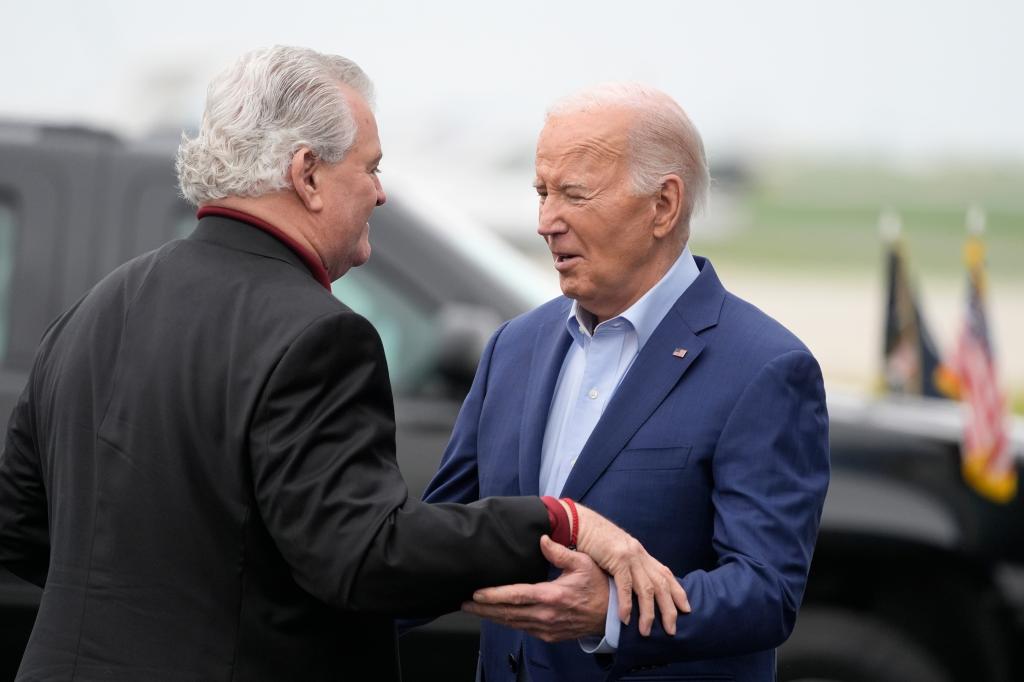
(562, 187)
(572, 185)
(377, 159)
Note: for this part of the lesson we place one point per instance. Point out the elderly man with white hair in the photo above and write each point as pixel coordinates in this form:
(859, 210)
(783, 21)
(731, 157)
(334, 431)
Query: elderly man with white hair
(201, 470)
(682, 413)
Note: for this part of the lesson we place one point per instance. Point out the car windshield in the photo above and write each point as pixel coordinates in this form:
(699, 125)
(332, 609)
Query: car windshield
(510, 267)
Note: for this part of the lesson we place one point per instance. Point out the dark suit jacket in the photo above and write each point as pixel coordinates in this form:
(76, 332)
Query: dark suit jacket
(716, 461)
(201, 472)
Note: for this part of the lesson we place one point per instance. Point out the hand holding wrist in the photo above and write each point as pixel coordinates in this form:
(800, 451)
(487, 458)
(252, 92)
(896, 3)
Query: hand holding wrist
(634, 570)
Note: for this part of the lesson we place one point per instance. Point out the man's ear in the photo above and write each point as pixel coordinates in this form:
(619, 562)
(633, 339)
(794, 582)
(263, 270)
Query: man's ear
(668, 205)
(303, 172)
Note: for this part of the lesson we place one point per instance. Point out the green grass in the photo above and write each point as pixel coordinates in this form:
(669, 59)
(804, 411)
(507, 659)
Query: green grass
(817, 217)
(818, 220)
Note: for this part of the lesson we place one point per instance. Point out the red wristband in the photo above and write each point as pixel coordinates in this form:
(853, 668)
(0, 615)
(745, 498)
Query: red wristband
(559, 520)
(574, 534)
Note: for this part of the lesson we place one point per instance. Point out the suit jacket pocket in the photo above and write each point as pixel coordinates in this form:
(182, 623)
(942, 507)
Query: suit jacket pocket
(647, 459)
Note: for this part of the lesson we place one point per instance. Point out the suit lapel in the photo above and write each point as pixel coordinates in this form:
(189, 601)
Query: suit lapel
(656, 371)
(550, 346)
(653, 375)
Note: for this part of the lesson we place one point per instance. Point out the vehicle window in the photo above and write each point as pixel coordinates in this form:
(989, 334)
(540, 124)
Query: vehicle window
(6, 268)
(409, 333)
(165, 216)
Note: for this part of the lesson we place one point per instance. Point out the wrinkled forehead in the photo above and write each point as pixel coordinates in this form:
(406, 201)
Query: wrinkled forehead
(597, 136)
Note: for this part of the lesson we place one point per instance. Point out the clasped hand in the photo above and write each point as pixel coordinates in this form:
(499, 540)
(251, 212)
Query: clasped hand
(575, 604)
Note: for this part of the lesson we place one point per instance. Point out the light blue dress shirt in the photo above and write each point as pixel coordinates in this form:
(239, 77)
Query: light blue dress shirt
(594, 365)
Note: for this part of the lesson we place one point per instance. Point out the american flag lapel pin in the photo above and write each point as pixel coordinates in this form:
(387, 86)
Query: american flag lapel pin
(679, 352)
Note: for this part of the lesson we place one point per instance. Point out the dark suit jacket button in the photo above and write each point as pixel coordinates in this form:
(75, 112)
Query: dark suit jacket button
(513, 663)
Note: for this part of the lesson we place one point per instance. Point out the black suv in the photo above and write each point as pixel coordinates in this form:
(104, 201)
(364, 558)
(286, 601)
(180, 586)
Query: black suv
(915, 577)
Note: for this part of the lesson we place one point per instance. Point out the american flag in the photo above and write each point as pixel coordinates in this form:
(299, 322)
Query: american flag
(910, 357)
(986, 458)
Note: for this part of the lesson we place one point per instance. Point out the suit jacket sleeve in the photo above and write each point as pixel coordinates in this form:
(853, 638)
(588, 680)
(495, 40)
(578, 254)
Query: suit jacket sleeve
(770, 471)
(328, 487)
(24, 530)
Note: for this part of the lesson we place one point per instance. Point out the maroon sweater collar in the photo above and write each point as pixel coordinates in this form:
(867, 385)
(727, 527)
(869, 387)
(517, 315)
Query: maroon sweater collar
(310, 259)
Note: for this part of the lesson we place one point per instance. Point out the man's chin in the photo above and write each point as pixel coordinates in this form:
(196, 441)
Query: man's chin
(568, 284)
(568, 290)
(362, 257)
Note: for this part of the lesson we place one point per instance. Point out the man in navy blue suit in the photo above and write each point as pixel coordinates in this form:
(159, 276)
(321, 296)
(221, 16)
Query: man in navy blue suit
(650, 393)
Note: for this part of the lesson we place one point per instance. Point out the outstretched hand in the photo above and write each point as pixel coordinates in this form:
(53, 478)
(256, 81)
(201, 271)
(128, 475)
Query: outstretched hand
(572, 606)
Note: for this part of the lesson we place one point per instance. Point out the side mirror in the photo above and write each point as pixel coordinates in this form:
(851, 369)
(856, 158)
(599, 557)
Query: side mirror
(465, 330)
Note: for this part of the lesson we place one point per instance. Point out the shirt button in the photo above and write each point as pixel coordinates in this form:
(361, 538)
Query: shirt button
(593, 394)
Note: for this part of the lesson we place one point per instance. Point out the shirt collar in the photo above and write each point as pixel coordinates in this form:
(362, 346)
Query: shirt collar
(646, 314)
(310, 259)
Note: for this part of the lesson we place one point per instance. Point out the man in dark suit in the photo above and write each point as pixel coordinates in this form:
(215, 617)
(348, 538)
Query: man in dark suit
(201, 468)
(682, 413)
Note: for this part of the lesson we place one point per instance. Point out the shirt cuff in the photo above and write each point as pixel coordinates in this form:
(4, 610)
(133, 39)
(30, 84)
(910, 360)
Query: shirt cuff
(608, 644)
(559, 520)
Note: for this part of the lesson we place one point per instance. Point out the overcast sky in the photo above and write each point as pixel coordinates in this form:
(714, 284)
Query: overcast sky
(462, 85)
(907, 79)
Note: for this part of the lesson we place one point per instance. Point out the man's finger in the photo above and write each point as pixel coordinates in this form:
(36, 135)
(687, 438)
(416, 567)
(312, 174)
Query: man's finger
(666, 606)
(519, 594)
(502, 614)
(624, 586)
(679, 596)
(644, 590)
(518, 617)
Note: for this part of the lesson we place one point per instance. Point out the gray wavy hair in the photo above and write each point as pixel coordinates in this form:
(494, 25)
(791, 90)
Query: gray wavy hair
(259, 112)
(662, 142)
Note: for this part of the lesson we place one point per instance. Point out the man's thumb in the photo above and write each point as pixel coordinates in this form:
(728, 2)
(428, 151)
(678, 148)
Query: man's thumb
(560, 556)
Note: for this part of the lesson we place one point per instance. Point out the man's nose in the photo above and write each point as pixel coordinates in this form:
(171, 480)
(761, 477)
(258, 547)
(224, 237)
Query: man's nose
(549, 220)
(381, 197)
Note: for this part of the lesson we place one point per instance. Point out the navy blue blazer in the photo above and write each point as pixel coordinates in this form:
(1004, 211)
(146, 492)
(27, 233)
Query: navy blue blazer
(716, 461)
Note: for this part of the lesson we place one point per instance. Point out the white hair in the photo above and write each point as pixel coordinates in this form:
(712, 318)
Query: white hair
(259, 112)
(663, 141)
